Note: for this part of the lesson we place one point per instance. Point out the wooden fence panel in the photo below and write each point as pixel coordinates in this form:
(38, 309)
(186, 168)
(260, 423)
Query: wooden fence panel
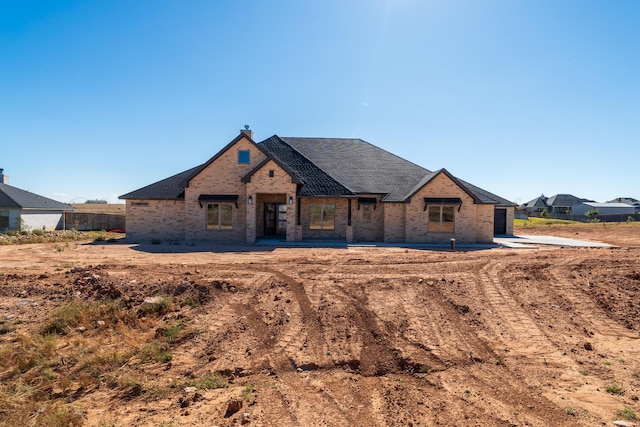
(94, 221)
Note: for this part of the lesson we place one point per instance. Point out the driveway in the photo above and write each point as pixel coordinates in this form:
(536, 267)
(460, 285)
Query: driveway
(527, 241)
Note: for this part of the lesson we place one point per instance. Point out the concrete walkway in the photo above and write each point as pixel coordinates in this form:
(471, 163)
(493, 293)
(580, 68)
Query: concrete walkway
(530, 242)
(520, 242)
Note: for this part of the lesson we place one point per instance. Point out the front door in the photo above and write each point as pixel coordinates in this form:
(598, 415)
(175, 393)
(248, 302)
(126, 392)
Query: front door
(275, 219)
(500, 221)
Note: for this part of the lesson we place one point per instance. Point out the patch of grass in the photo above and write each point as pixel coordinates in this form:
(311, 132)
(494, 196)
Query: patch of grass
(27, 352)
(172, 331)
(209, 382)
(613, 389)
(6, 327)
(77, 313)
(571, 411)
(247, 391)
(155, 352)
(424, 369)
(584, 372)
(628, 414)
(65, 317)
(157, 306)
(606, 363)
(542, 222)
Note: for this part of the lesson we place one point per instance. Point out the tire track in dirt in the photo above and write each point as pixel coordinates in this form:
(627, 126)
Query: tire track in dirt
(310, 333)
(515, 326)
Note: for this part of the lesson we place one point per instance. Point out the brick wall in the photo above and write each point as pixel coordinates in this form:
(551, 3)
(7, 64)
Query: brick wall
(222, 176)
(340, 230)
(372, 231)
(154, 219)
(394, 222)
(465, 219)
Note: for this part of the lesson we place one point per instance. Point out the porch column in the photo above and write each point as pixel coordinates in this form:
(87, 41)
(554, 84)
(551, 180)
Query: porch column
(292, 210)
(250, 218)
(349, 234)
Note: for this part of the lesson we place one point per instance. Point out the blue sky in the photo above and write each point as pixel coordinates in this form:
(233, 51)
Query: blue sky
(99, 98)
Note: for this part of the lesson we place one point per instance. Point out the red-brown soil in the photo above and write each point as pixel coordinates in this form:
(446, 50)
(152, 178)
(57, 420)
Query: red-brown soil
(341, 337)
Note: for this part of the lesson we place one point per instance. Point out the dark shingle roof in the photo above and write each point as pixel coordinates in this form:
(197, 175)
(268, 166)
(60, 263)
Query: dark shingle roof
(12, 197)
(328, 167)
(315, 182)
(360, 166)
(486, 196)
(563, 200)
(171, 188)
(538, 202)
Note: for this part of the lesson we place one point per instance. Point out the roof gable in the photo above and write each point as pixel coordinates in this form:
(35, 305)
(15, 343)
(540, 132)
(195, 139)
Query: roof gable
(431, 176)
(224, 149)
(12, 197)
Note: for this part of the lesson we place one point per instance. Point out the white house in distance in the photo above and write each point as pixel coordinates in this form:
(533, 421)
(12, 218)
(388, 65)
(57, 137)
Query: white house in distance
(604, 208)
(36, 212)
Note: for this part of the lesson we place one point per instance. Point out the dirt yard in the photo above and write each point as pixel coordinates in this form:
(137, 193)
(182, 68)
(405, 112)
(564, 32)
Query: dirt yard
(180, 335)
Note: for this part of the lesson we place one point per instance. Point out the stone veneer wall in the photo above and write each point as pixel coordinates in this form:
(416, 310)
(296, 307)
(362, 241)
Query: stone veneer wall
(154, 219)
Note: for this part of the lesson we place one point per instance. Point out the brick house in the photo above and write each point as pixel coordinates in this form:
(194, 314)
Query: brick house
(310, 189)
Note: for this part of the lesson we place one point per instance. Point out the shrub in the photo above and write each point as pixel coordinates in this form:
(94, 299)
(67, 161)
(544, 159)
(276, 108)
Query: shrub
(157, 305)
(613, 389)
(65, 317)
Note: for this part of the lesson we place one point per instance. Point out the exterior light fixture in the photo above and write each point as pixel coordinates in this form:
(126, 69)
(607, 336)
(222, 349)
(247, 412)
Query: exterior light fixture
(290, 200)
(250, 201)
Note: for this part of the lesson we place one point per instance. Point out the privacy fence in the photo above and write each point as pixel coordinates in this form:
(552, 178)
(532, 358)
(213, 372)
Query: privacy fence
(93, 221)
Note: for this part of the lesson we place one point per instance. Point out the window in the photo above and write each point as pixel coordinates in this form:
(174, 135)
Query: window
(244, 156)
(441, 219)
(272, 174)
(139, 203)
(220, 216)
(322, 217)
(4, 221)
(367, 212)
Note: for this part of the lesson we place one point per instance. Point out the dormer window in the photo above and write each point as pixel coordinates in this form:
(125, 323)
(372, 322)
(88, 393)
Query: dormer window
(244, 157)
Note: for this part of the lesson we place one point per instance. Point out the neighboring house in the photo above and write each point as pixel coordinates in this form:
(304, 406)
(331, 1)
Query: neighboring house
(302, 189)
(536, 206)
(31, 210)
(604, 209)
(563, 203)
